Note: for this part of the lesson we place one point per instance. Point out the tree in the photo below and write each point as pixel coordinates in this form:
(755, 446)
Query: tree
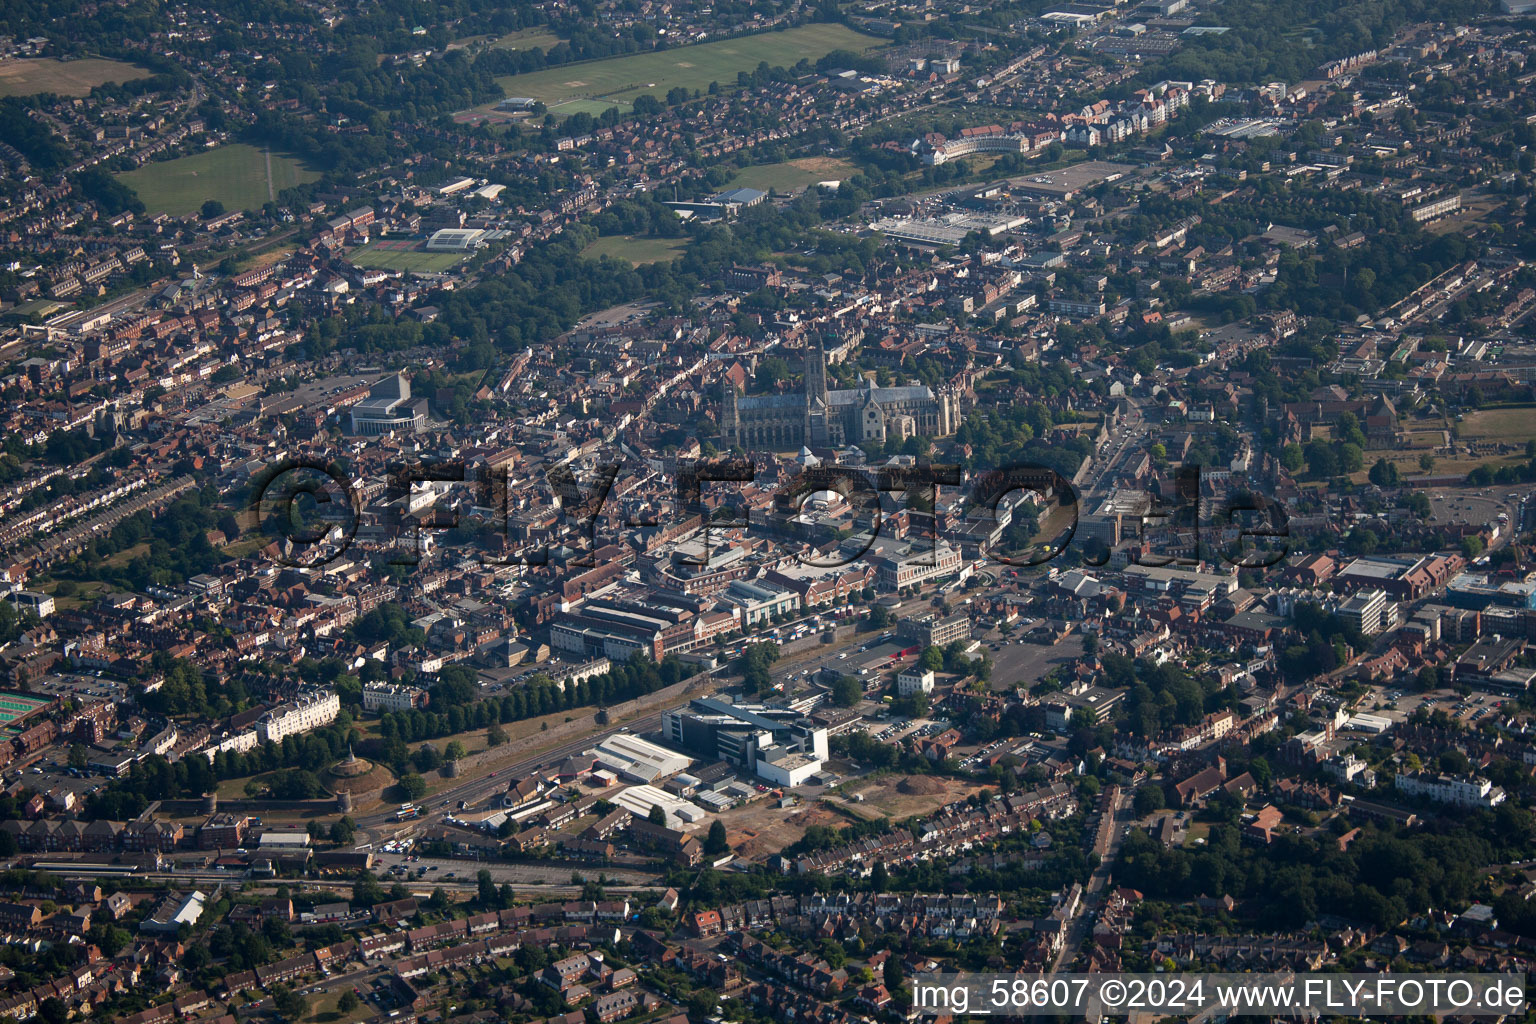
(287, 1002)
(879, 617)
(918, 704)
(495, 736)
(702, 1003)
(53, 1010)
(1472, 547)
(348, 1001)
(367, 891)
(1384, 473)
(893, 973)
(847, 691)
(343, 831)
(1149, 798)
(454, 751)
(1427, 463)
(715, 842)
(413, 786)
(212, 208)
(657, 816)
(78, 756)
(1455, 762)
(753, 664)
(1322, 460)
(932, 658)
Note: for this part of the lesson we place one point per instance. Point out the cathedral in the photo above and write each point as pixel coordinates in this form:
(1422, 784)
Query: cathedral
(832, 418)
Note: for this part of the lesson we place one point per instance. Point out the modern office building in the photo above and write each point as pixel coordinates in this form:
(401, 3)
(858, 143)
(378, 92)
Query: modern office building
(1369, 611)
(754, 736)
(389, 408)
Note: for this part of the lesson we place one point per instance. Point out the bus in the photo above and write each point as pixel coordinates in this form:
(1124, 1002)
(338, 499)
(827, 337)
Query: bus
(407, 812)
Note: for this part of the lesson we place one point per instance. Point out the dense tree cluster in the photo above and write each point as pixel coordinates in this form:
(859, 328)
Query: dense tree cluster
(1381, 878)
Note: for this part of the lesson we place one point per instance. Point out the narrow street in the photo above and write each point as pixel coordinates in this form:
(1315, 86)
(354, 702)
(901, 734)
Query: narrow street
(1106, 843)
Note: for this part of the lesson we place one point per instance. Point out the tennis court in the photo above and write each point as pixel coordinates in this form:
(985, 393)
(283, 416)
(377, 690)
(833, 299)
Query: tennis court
(13, 707)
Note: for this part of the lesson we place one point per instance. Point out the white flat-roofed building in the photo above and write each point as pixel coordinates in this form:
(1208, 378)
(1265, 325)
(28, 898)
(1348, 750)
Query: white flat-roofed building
(914, 680)
(760, 602)
(639, 760)
(1460, 790)
(393, 697)
(455, 186)
(786, 768)
(639, 800)
(1369, 611)
(38, 604)
(917, 567)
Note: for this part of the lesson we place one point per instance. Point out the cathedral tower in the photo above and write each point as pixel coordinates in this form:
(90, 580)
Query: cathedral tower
(816, 412)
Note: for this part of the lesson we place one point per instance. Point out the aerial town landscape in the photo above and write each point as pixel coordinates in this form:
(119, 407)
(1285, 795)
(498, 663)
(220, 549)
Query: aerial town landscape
(558, 512)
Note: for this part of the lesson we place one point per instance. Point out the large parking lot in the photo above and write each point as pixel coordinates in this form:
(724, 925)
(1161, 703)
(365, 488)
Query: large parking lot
(1472, 508)
(1016, 662)
(1398, 704)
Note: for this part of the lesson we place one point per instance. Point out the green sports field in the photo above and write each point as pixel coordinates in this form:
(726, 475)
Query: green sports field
(794, 174)
(239, 176)
(28, 76)
(527, 39)
(390, 254)
(617, 80)
(637, 250)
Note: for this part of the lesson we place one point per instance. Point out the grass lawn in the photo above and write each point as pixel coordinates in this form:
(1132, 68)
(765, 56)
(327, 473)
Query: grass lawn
(30, 76)
(323, 1008)
(794, 174)
(239, 176)
(636, 250)
(266, 257)
(527, 39)
(1508, 423)
(407, 261)
(244, 547)
(85, 595)
(123, 557)
(1512, 424)
(617, 80)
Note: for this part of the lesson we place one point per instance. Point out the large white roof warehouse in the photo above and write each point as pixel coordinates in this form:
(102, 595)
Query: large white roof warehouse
(639, 761)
